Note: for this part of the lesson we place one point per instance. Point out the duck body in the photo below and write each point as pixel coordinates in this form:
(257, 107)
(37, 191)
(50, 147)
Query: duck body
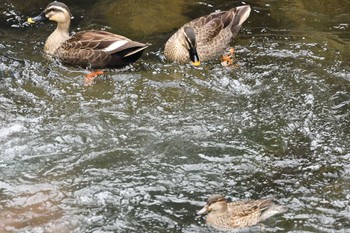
(92, 49)
(224, 215)
(212, 35)
(98, 49)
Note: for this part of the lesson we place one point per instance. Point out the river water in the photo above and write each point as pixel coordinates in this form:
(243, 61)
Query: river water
(143, 148)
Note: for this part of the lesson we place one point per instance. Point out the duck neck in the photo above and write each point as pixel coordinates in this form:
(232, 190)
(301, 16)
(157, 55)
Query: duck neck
(222, 210)
(56, 39)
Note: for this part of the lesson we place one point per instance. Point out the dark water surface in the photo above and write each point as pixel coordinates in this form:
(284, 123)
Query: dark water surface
(142, 149)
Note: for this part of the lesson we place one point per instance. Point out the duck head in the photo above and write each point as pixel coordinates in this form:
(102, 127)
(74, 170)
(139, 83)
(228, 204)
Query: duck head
(215, 204)
(188, 40)
(56, 11)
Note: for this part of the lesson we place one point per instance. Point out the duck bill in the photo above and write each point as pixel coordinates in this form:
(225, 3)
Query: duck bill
(204, 210)
(38, 18)
(194, 57)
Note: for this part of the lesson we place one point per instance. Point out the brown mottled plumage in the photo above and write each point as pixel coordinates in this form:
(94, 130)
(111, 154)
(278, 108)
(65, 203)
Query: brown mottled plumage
(224, 215)
(206, 37)
(93, 49)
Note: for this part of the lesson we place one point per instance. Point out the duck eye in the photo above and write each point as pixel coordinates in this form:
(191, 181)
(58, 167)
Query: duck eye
(52, 10)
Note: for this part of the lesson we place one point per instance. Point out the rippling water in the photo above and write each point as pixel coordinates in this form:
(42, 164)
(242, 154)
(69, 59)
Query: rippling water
(142, 149)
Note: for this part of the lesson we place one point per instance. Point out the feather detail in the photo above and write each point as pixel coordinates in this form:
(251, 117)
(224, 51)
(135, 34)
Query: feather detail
(213, 33)
(94, 49)
(224, 215)
(115, 46)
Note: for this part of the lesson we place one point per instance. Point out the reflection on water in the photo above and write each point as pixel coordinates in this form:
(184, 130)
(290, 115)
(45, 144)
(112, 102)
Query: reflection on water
(143, 148)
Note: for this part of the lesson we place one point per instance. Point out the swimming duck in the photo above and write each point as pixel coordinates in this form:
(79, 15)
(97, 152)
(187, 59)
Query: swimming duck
(92, 49)
(207, 37)
(224, 215)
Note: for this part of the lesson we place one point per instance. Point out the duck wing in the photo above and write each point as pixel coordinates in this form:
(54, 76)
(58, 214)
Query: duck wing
(208, 27)
(247, 213)
(247, 207)
(97, 48)
(101, 40)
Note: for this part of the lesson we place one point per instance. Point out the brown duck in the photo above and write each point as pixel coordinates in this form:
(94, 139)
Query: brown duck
(92, 49)
(224, 215)
(207, 37)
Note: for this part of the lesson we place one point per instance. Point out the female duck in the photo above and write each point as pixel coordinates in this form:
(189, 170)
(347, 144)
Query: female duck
(224, 215)
(207, 37)
(92, 49)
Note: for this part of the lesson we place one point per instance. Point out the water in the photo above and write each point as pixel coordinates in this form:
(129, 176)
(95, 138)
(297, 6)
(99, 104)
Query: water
(142, 149)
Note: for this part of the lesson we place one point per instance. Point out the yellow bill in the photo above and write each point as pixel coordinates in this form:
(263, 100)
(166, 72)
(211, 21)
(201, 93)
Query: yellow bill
(196, 63)
(30, 21)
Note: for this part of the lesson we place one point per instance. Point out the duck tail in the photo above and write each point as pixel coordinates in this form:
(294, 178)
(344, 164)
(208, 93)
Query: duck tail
(273, 210)
(137, 50)
(241, 14)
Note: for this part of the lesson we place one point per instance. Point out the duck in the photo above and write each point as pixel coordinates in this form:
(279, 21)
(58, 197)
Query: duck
(205, 38)
(89, 49)
(225, 215)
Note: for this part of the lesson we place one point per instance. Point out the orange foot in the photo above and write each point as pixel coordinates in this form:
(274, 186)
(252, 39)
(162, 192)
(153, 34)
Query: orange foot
(89, 78)
(228, 59)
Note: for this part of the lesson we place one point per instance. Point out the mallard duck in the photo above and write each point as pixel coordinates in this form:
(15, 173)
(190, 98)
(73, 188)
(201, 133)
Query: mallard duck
(207, 37)
(92, 49)
(224, 215)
